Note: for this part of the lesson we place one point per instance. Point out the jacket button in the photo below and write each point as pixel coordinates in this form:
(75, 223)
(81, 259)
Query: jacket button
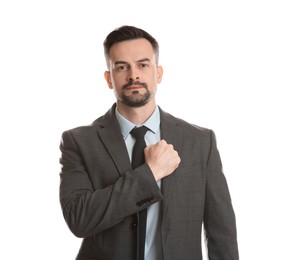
(149, 199)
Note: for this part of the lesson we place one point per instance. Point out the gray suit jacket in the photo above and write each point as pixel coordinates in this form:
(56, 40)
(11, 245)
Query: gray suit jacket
(100, 194)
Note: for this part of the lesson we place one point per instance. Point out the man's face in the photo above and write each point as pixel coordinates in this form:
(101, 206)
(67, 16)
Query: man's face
(133, 73)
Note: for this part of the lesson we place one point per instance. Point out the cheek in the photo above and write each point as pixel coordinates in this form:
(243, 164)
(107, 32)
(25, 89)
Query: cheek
(117, 80)
(116, 92)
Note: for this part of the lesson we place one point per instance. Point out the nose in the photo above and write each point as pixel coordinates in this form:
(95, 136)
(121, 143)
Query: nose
(133, 75)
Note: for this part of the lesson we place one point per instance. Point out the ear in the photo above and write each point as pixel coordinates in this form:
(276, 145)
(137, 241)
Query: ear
(159, 74)
(108, 79)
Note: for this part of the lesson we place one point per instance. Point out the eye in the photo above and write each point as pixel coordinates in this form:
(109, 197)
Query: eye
(143, 65)
(121, 67)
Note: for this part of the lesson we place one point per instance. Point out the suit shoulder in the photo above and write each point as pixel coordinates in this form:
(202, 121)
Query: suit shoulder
(194, 127)
(84, 129)
(187, 126)
(195, 133)
(101, 121)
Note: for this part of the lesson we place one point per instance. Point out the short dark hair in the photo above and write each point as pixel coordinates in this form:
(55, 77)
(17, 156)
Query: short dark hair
(125, 33)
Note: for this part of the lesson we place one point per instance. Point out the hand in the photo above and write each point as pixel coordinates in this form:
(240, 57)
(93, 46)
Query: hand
(162, 159)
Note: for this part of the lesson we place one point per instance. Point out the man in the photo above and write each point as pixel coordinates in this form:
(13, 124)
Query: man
(180, 184)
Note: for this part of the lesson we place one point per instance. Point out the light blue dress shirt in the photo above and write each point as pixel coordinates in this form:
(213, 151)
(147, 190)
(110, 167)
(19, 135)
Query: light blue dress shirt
(153, 249)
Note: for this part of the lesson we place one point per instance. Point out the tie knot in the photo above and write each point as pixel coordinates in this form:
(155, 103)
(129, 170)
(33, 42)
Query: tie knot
(139, 132)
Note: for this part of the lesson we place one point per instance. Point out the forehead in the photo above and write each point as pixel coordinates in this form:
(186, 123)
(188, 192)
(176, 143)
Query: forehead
(129, 50)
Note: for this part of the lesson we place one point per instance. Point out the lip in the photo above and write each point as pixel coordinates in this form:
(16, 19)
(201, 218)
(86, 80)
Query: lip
(135, 87)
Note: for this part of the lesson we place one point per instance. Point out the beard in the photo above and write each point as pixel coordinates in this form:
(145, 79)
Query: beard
(138, 97)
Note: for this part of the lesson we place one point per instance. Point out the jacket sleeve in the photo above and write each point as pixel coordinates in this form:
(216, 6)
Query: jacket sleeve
(89, 210)
(219, 217)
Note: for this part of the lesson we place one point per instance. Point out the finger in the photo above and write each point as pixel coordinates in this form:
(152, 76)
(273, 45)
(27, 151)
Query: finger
(149, 146)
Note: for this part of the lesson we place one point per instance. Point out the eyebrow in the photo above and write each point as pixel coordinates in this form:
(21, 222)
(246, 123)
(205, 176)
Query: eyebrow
(143, 60)
(120, 62)
(124, 62)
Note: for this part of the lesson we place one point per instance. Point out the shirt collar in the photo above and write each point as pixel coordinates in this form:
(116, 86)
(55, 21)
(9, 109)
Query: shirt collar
(126, 126)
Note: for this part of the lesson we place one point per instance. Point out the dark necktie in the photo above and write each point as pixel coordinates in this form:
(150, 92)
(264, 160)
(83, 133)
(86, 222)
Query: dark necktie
(137, 160)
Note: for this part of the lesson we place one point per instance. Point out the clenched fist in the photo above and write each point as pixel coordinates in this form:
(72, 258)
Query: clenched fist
(162, 159)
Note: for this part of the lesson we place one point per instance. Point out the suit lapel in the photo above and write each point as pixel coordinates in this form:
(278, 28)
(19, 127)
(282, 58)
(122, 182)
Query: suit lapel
(112, 138)
(172, 133)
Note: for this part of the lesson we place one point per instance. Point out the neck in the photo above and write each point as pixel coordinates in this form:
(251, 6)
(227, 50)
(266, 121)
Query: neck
(136, 115)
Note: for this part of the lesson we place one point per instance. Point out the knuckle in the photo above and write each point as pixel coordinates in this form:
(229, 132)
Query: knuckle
(162, 142)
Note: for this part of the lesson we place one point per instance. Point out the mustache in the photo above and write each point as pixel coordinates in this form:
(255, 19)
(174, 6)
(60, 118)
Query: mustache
(134, 83)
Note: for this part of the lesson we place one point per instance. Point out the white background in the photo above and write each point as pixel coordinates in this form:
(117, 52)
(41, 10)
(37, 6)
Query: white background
(223, 64)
